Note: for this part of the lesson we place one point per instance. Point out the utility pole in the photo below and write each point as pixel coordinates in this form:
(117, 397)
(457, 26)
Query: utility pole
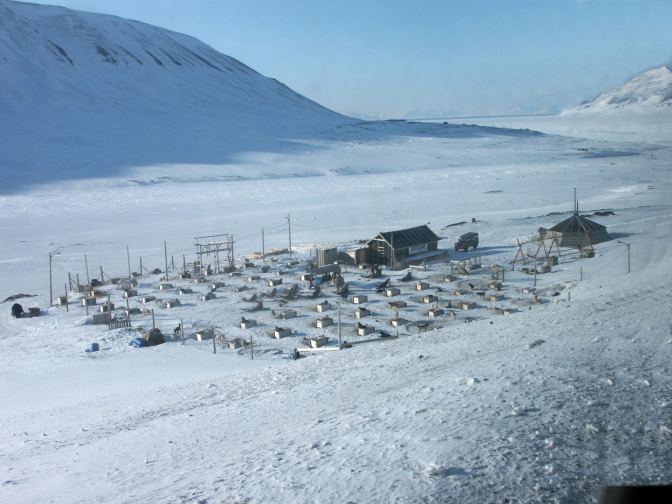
(86, 263)
(263, 246)
(165, 255)
(51, 289)
(627, 245)
(289, 224)
(128, 259)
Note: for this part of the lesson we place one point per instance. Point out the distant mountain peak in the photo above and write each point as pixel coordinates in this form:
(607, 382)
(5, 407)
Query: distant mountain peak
(650, 90)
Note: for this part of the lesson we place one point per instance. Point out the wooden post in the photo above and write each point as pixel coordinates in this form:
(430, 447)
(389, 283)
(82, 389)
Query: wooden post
(289, 227)
(214, 345)
(141, 272)
(108, 315)
(340, 342)
(51, 289)
(165, 256)
(86, 263)
(128, 313)
(184, 263)
(79, 286)
(581, 273)
(535, 274)
(102, 278)
(251, 347)
(67, 308)
(128, 260)
(628, 245)
(153, 320)
(69, 280)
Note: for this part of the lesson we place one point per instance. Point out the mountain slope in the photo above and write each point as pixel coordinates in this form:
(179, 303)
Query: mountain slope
(650, 90)
(79, 86)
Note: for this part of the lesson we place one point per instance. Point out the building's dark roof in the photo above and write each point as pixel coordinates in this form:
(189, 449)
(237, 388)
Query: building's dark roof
(578, 224)
(408, 237)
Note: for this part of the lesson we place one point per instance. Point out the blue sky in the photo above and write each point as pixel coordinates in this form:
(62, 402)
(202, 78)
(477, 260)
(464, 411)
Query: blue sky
(401, 58)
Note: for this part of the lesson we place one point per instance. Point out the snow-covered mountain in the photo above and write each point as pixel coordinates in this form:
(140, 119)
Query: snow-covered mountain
(79, 86)
(650, 90)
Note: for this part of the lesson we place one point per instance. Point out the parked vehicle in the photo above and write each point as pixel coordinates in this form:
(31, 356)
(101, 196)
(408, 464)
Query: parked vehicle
(467, 240)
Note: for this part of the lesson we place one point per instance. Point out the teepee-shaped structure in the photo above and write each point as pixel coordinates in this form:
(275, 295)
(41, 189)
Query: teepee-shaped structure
(578, 231)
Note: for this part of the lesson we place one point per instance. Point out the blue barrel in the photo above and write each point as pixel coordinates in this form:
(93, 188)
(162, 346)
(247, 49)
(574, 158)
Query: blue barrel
(94, 347)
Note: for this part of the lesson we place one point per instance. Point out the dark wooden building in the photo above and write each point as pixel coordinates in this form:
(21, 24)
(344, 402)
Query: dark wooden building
(396, 248)
(578, 231)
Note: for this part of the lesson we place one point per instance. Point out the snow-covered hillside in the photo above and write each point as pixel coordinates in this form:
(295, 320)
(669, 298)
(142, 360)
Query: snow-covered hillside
(89, 94)
(649, 90)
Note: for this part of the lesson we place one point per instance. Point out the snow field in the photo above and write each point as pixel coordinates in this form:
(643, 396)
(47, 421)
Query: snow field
(542, 405)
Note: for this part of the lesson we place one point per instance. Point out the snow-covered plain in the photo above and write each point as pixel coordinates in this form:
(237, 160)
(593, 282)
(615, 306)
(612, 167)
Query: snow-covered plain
(478, 412)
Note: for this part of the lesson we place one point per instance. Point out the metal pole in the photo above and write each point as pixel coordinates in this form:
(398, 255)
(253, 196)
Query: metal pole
(128, 259)
(289, 224)
(165, 255)
(51, 290)
(263, 246)
(86, 262)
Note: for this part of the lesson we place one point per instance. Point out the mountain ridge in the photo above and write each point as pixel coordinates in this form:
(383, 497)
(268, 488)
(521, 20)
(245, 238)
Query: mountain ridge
(649, 90)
